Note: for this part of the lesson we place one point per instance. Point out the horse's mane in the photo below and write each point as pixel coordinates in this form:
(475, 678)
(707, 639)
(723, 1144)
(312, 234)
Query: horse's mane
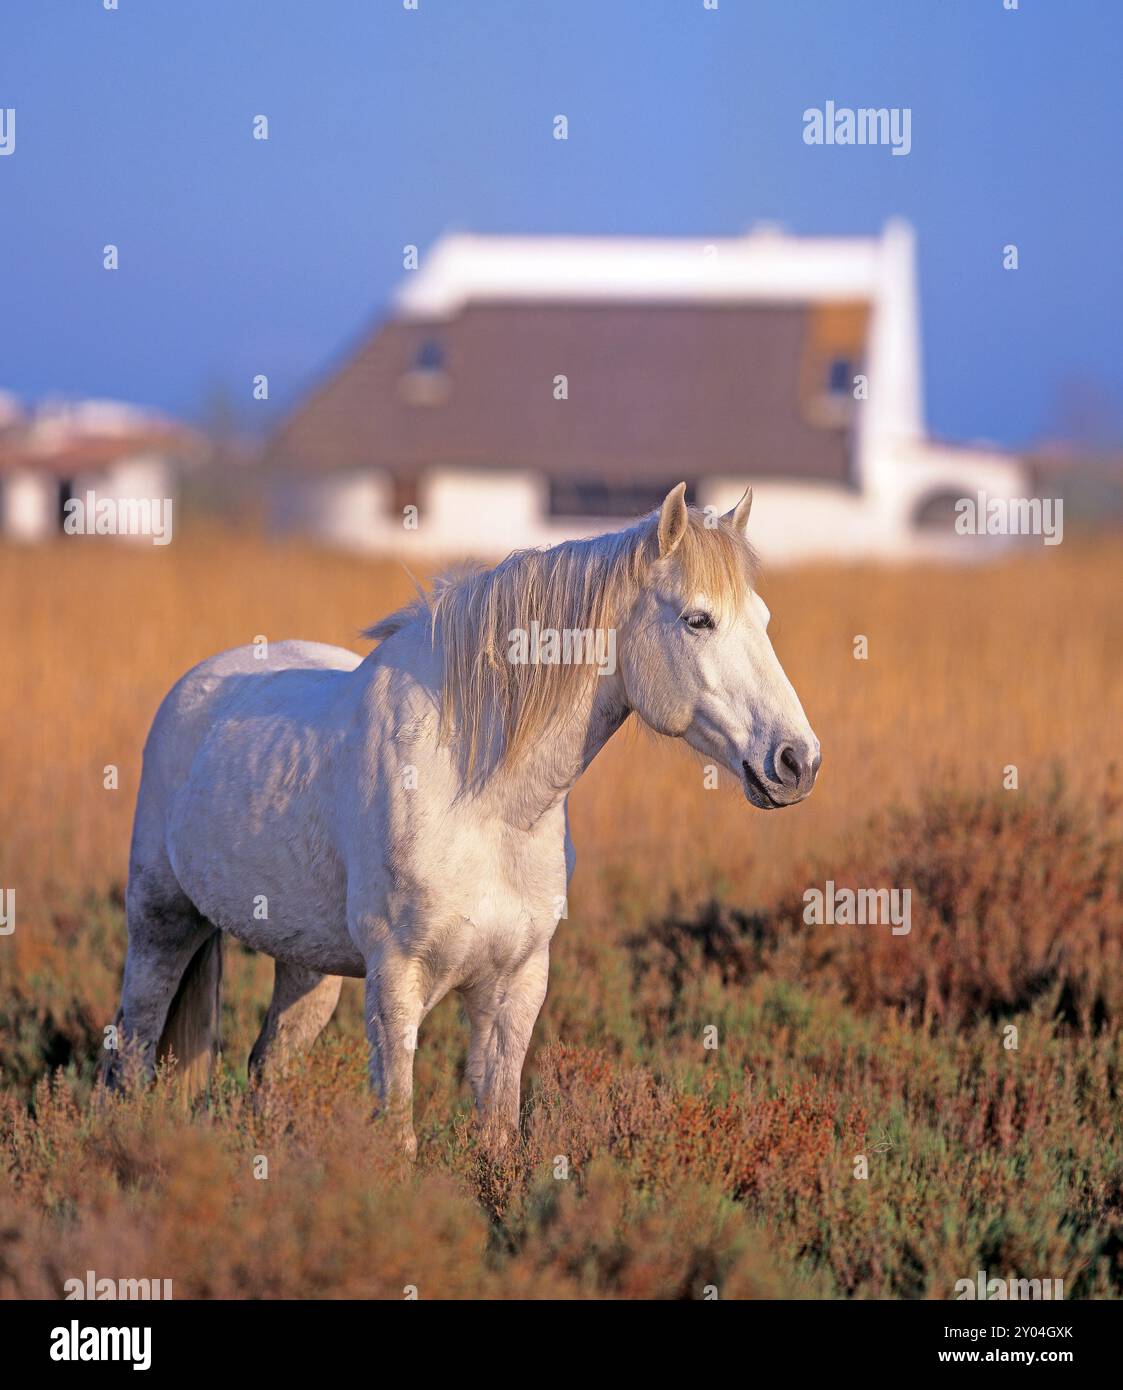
(494, 709)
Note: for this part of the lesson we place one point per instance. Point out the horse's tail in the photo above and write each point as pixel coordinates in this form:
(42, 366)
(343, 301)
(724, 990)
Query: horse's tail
(191, 1032)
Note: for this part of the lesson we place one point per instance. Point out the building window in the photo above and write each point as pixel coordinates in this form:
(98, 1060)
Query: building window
(430, 356)
(65, 493)
(595, 497)
(840, 377)
(936, 512)
(426, 382)
(833, 351)
(405, 494)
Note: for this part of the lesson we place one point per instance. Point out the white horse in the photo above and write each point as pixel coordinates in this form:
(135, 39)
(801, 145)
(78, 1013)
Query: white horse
(402, 819)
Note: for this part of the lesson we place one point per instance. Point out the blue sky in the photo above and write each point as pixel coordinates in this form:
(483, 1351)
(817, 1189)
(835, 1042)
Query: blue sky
(390, 126)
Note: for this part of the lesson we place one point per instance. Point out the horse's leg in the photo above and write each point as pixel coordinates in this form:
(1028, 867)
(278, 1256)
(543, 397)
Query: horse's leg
(502, 1015)
(166, 931)
(303, 1002)
(393, 1015)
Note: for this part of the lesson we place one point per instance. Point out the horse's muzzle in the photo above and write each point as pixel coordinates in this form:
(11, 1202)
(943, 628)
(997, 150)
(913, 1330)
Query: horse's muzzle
(794, 770)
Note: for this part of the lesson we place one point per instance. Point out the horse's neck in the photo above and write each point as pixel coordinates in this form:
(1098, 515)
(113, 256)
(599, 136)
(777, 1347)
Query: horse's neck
(540, 781)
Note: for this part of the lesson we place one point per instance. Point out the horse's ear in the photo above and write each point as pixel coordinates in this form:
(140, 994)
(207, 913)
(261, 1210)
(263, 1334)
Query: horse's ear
(738, 518)
(672, 520)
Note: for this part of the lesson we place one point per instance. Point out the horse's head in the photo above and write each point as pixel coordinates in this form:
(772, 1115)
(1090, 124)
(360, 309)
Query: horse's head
(697, 662)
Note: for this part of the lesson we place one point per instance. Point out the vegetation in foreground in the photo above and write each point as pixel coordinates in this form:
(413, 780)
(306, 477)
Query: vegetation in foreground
(652, 1163)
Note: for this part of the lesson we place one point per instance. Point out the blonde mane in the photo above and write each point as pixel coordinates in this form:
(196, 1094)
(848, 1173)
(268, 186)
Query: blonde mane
(493, 710)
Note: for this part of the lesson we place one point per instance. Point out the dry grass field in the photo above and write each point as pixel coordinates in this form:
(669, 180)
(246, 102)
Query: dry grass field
(650, 1164)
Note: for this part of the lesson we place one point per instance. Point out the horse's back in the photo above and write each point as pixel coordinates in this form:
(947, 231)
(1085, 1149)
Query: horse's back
(281, 677)
(256, 679)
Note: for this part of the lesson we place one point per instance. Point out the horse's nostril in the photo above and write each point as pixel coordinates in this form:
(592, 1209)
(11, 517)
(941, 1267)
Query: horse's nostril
(790, 761)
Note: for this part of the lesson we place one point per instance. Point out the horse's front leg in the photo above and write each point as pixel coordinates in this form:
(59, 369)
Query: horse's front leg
(502, 1012)
(393, 1015)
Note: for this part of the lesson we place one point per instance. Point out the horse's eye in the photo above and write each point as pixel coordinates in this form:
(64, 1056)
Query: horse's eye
(698, 622)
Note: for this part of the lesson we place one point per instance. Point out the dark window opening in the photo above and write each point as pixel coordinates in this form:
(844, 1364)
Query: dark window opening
(594, 497)
(405, 494)
(840, 378)
(937, 512)
(65, 493)
(430, 356)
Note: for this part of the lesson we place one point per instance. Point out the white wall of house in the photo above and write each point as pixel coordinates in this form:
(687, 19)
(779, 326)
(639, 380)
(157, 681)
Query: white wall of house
(926, 471)
(345, 509)
(493, 507)
(799, 520)
(135, 478)
(29, 499)
(28, 505)
(804, 521)
(138, 476)
(490, 512)
(459, 512)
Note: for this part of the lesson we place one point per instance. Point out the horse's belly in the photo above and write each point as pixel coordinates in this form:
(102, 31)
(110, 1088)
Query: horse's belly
(299, 924)
(329, 953)
(286, 903)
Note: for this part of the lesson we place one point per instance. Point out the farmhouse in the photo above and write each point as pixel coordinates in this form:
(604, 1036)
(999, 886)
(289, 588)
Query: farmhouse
(526, 390)
(88, 459)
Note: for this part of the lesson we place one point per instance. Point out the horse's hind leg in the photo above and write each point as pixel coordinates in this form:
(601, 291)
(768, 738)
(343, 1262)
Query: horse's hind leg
(166, 935)
(303, 1002)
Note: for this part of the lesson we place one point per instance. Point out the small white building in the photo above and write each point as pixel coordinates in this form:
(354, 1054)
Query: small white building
(67, 450)
(528, 389)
